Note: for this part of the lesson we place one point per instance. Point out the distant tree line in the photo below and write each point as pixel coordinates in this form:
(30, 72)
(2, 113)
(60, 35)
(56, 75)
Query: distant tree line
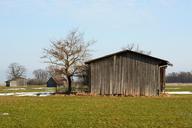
(180, 77)
(41, 76)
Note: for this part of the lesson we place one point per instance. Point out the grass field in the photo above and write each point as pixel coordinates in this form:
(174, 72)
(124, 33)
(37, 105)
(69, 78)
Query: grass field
(96, 112)
(37, 88)
(178, 87)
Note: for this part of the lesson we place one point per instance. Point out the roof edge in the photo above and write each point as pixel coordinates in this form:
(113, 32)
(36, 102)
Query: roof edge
(124, 51)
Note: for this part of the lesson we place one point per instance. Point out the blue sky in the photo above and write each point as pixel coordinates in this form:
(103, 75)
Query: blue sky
(162, 26)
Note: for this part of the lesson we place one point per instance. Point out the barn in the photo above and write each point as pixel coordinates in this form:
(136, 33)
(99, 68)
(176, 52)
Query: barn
(16, 82)
(56, 81)
(127, 73)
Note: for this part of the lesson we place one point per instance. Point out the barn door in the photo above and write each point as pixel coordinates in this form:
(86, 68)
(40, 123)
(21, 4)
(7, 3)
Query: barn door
(162, 79)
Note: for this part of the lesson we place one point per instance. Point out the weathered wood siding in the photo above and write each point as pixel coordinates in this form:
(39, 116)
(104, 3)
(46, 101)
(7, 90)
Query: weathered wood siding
(125, 74)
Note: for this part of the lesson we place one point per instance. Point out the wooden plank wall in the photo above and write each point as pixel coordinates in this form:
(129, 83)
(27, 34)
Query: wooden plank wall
(162, 78)
(126, 74)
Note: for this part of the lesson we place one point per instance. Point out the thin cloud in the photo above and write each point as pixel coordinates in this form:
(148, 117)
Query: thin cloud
(167, 3)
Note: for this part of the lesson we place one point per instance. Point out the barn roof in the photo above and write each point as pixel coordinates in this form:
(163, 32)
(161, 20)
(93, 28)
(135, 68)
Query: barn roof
(164, 62)
(59, 80)
(14, 79)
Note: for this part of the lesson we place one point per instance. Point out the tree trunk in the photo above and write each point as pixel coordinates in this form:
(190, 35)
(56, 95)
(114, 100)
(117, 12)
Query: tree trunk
(69, 85)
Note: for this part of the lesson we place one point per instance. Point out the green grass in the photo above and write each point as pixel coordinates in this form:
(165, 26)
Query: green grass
(96, 112)
(30, 88)
(33, 88)
(178, 87)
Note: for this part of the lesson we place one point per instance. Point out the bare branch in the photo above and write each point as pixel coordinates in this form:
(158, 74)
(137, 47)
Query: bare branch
(133, 47)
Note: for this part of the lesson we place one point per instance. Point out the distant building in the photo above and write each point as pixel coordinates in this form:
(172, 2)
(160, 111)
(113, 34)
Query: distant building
(127, 73)
(56, 81)
(16, 82)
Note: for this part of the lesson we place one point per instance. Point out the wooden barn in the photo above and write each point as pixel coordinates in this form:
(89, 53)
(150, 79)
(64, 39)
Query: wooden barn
(16, 82)
(56, 81)
(127, 73)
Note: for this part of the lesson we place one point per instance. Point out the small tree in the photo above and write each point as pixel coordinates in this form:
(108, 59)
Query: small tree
(16, 70)
(68, 55)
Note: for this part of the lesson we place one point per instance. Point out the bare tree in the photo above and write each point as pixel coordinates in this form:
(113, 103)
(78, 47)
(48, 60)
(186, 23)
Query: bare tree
(16, 70)
(41, 76)
(133, 47)
(53, 70)
(68, 55)
(129, 47)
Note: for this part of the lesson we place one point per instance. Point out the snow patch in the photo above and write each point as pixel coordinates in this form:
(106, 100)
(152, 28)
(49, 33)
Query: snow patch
(27, 94)
(4, 114)
(180, 93)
